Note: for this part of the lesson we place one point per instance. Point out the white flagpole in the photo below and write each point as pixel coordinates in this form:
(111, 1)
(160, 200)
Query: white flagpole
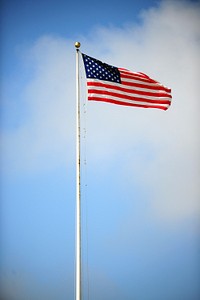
(78, 184)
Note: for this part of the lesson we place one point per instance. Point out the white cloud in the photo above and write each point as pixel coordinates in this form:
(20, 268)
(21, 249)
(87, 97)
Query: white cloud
(165, 45)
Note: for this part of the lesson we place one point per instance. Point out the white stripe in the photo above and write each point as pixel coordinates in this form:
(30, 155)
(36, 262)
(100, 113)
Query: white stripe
(142, 77)
(157, 84)
(127, 101)
(132, 91)
(138, 77)
(121, 93)
(131, 87)
(126, 71)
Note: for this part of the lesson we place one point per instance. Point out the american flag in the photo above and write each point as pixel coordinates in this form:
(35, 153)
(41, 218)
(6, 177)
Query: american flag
(120, 86)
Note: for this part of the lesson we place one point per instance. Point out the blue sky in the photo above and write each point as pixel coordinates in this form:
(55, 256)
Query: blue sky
(140, 167)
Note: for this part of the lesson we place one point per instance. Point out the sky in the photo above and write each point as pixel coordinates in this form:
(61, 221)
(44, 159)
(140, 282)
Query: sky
(140, 168)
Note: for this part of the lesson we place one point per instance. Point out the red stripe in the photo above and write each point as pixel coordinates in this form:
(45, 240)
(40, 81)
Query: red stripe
(108, 93)
(137, 77)
(145, 79)
(122, 89)
(126, 104)
(138, 74)
(133, 84)
(145, 86)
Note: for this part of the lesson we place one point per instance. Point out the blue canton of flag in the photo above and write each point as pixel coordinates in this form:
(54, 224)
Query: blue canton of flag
(99, 70)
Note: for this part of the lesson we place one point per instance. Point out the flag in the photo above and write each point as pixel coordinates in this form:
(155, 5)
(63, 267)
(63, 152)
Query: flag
(120, 86)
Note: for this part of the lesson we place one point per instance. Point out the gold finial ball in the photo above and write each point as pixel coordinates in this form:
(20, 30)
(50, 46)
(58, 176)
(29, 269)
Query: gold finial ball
(77, 45)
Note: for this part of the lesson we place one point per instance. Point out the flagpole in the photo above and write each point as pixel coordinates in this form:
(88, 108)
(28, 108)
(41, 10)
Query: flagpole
(78, 183)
